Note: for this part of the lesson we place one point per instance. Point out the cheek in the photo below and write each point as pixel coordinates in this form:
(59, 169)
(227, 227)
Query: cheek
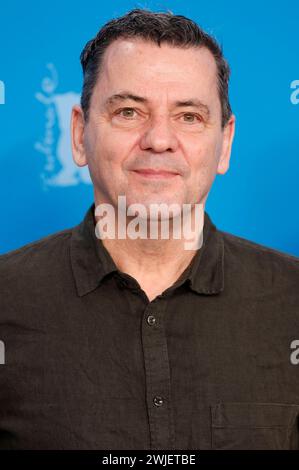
(102, 149)
(197, 154)
(202, 159)
(114, 145)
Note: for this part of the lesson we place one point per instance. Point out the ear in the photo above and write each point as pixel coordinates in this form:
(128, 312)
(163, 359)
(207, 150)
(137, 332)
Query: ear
(227, 140)
(77, 136)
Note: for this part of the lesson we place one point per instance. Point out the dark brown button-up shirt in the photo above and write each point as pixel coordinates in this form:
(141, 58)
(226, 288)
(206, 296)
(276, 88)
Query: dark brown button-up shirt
(91, 363)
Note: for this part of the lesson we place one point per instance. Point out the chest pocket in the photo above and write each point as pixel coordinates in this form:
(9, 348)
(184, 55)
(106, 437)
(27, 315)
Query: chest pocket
(255, 426)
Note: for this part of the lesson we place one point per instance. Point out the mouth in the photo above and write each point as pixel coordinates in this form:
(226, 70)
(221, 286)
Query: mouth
(152, 174)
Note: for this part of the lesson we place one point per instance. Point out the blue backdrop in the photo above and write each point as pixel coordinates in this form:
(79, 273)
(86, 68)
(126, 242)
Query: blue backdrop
(41, 191)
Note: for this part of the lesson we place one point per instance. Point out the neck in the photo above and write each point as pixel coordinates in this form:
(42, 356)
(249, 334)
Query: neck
(151, 260)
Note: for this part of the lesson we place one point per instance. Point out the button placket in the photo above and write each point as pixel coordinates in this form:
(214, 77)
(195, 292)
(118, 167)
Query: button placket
(157, 371)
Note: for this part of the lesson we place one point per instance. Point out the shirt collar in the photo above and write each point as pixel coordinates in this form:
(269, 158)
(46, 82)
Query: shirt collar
(91, 261)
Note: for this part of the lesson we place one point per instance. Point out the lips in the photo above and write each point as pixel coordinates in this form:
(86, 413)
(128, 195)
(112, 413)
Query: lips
(150, 172)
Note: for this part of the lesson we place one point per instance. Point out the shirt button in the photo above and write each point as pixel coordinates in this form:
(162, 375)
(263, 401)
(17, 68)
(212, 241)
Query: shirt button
(158, 401)
(151, 320)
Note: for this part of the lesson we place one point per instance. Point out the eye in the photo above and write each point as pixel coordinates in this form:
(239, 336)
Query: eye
(191, 118)
(126, 112)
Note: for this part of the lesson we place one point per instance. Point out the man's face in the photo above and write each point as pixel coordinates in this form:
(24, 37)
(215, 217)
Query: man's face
(153, 108)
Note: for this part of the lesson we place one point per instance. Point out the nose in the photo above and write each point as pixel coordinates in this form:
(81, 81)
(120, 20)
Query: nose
(159, 136)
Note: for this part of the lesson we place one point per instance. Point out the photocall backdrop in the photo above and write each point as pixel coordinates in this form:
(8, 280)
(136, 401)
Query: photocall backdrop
(42, 191)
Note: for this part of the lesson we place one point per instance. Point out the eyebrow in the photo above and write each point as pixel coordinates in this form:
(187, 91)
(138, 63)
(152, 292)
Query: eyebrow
(194, 102)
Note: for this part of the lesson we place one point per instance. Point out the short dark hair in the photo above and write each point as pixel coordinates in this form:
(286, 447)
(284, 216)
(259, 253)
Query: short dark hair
(176, 30)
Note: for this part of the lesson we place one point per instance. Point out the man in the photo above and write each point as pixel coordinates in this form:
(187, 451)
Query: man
(138, 343)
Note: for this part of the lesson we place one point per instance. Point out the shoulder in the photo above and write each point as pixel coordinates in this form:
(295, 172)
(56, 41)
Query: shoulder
(258, 261)
(36, 256)
(248, 247)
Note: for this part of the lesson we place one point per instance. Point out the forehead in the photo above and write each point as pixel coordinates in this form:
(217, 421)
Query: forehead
(145, 67)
